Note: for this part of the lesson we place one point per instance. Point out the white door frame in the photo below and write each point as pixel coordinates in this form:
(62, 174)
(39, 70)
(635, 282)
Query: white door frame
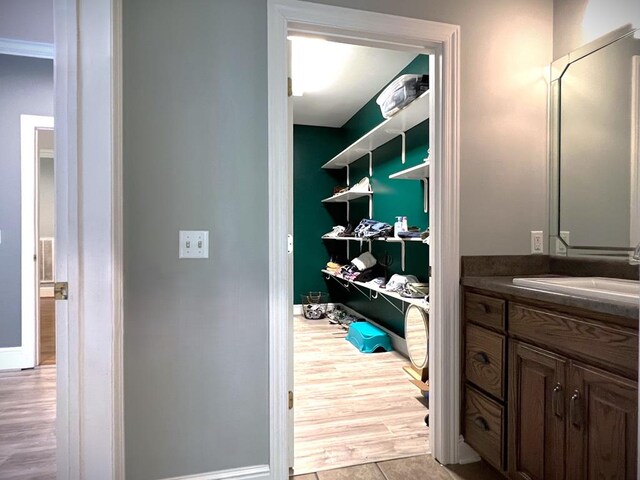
(26, 355)
(389, 31)
(88, 138)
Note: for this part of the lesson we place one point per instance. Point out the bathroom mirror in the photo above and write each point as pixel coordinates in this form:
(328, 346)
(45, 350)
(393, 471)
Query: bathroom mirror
(416, 331)
(594, 147)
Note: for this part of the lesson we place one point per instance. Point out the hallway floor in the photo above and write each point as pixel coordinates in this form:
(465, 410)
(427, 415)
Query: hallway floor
(27, 424)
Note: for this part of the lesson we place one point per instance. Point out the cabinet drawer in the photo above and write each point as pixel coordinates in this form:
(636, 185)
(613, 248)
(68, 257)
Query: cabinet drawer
(484, 359)
(485, 310)
(613, 348)
(483, 427)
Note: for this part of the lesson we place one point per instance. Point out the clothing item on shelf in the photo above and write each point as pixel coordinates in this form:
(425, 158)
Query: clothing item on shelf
(415, 290)
(368, 228)
(366, 275)
(409, 234)
(364, 261)
(333, 267)
(348, 231)
(335, 232)
(363, 186)
(396, 282)
(378, 282)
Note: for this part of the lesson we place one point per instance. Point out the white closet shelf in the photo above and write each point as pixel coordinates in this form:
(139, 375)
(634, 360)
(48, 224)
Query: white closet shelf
(346, 196)
(413, 114)
(419, 172)
(413, 301)
(380, 239)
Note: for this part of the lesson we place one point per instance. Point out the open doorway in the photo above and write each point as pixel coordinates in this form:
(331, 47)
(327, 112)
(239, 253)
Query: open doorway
(358, 398)
(46, 246)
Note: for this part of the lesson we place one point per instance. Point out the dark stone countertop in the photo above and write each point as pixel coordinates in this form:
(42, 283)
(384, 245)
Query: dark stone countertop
(505, 285)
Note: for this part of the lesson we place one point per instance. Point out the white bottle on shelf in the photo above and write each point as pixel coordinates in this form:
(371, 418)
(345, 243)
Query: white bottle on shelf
(397, 227)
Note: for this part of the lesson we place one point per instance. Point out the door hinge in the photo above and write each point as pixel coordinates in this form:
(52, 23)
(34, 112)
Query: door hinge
(289, 87)
(290, 399)
(61, 290)
(289, 243)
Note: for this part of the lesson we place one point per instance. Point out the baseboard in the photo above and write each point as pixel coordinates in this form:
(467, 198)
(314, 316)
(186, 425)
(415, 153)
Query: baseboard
(466, 454)
(11, 358)
(257, 472)
(399, 344)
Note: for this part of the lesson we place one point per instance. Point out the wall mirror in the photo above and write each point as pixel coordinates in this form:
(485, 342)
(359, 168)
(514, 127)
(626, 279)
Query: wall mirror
(416, 331)
(594, 147)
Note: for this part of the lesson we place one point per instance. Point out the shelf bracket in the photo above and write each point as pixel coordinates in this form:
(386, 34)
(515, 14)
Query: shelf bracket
(401, 310)
(425, 191)
(370, 206)
(402, 262)
(348, 177)
(368, 295)
(371, 164)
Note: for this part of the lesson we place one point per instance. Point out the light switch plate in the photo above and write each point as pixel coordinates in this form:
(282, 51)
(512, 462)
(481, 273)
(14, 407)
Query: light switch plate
(194, 244)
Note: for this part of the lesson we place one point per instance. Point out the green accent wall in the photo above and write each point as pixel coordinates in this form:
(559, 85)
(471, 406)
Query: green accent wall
(391, 198)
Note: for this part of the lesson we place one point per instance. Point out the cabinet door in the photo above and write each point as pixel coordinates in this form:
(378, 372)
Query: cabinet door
(602, 425)
(537, 412)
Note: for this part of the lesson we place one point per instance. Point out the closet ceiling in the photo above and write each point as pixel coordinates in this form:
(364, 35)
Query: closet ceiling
(368, 70)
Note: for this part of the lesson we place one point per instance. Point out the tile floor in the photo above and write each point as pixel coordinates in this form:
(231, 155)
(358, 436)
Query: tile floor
(422, 467)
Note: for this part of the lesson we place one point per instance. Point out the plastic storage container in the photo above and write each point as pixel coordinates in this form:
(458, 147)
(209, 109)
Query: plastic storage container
(314, 305)
(368, 338)
(401, 92)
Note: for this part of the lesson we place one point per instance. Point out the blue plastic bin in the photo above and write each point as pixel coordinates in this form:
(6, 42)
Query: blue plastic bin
(368, 338)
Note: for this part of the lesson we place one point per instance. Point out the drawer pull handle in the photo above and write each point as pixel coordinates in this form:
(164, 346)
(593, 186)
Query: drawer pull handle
(484, 307)
(482, 358)
(575, 412)
(558, 404)
(481, 423)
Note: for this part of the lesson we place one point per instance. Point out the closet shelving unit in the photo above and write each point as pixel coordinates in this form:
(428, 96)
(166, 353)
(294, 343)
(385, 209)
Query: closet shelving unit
(373, 292)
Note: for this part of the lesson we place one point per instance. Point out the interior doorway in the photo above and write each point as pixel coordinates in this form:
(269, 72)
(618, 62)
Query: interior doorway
(45, 198)
(357, 403)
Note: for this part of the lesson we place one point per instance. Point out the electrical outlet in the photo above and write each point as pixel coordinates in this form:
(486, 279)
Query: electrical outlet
(194, 244)
(537, 242)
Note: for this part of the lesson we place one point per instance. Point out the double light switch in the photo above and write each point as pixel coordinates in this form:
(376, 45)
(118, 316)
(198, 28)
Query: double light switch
(194, 244)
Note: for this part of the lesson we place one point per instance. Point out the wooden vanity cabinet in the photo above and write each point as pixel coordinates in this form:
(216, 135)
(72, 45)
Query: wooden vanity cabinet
(570, 391)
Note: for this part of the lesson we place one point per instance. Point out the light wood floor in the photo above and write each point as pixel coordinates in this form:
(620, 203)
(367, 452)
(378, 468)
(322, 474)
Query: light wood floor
(27, 424)
(47, 331)
(351, 408)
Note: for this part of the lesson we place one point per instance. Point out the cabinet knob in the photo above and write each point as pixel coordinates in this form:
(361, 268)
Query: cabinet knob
(482, 358)
(481, 423)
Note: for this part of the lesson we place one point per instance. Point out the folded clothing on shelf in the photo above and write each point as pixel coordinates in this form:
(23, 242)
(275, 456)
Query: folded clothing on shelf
(397, 282)
(364, 261)
(368, 228)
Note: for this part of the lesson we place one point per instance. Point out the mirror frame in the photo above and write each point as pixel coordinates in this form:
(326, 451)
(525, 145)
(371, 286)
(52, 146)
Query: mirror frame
(556, 70)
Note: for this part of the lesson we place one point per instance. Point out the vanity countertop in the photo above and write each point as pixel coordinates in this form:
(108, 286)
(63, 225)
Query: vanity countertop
(504, 285)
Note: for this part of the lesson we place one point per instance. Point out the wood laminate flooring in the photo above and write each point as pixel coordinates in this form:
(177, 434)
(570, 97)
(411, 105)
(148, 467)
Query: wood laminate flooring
(27, 424)
(351, 408)
(47, 331)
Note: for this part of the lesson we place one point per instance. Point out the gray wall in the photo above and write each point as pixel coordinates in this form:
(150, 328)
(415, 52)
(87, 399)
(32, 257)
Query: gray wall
(578, 22)
(195, 73)
(503, 166)
(26, 87)
(28, 20)
(195, 157)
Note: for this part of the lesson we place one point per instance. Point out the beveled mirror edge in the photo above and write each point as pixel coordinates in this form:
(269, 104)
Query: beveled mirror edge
(557, 245)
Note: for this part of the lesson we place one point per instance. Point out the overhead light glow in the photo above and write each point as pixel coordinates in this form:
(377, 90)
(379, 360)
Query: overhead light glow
(316, 63)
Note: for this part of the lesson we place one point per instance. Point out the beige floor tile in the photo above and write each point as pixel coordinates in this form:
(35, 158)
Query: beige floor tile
(310, 476)
(368, 471)
(423, 467)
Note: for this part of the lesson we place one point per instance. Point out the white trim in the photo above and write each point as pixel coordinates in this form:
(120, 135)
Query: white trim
(11, 358)
(258, 472)
(88, 100)
(634, 227)
(23, 48)
(392, 32)
(26, 355)
(46, 153)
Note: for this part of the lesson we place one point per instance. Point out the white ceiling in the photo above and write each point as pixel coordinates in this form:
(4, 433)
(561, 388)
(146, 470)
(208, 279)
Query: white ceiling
(369, 71)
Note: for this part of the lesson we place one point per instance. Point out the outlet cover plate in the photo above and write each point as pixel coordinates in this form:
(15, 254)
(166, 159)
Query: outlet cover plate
(194, 244)
(537, 242)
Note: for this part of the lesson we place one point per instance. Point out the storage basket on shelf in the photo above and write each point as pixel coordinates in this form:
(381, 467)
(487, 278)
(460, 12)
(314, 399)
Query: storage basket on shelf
(314, 305)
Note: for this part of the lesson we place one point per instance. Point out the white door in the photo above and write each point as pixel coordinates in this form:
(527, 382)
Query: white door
(290, 265)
